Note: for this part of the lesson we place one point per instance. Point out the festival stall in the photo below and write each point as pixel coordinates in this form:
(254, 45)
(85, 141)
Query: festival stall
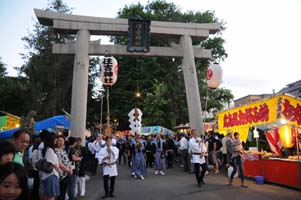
(182, 128)
(279, 118)
(148, 130)
(208, 126)
(54, 123)
(60, 121)
(9, 121)
(8, 133)
(122, 133)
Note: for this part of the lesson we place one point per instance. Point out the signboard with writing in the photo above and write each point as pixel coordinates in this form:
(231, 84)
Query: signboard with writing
(263, 112)
(147, 130)
(138, 35)
(108, 70)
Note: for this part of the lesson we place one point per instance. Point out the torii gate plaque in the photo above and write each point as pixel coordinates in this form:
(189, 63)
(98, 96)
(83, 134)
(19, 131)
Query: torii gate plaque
(84, 26)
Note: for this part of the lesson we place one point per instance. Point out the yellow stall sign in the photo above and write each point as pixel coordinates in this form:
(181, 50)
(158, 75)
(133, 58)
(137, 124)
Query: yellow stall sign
(269, 111)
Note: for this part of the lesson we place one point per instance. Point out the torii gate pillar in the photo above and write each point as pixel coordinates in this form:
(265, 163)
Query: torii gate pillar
(191, 86)
(80, 85)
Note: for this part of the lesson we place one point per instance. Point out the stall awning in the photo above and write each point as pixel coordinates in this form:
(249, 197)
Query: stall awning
(56, 121)
(155, 129)
(60, 120)
(271, 111)
(8, 133)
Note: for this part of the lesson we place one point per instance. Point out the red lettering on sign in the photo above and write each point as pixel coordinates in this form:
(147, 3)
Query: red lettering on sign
(291, 113)
(298, 114)
(248, 116)
(242, 117)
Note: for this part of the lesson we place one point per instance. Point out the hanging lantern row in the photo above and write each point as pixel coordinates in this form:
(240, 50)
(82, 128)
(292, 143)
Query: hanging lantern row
(108, 70)
(214, 76)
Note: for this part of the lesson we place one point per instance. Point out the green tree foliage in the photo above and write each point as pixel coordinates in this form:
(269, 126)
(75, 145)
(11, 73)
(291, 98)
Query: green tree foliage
(148, 73)
(45, 80)
(2, 69)
(93, 101)
(157, 101)
(50, 75)
(13, 92)
(44, 84)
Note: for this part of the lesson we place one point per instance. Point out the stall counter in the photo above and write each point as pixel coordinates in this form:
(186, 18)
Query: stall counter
(280, 171)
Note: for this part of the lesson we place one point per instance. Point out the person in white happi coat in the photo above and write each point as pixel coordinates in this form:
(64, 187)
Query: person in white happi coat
(198, 148)
(108, 157)
(94, 147)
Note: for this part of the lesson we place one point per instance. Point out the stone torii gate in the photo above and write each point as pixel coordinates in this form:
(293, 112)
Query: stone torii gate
(84, 26)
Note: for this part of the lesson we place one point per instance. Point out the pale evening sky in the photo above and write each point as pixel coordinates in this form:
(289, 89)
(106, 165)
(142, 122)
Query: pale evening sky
(262, 37)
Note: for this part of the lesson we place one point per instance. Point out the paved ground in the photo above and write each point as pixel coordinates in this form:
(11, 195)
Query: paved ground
(178, 185)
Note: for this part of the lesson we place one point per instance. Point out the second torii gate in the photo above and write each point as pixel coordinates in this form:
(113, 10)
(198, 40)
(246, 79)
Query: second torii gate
(84, 26)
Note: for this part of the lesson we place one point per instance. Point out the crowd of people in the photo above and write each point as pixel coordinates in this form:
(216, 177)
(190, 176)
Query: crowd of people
(70, 160)
(65, 178)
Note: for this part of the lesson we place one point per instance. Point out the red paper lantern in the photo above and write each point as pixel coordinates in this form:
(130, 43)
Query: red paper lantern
(214, 76)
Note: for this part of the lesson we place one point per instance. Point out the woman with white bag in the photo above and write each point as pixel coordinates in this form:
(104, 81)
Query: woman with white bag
(50, 181)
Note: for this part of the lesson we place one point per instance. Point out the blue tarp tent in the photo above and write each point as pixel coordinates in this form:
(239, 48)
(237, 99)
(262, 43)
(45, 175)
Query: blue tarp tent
(7, 133)
(60, 120)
